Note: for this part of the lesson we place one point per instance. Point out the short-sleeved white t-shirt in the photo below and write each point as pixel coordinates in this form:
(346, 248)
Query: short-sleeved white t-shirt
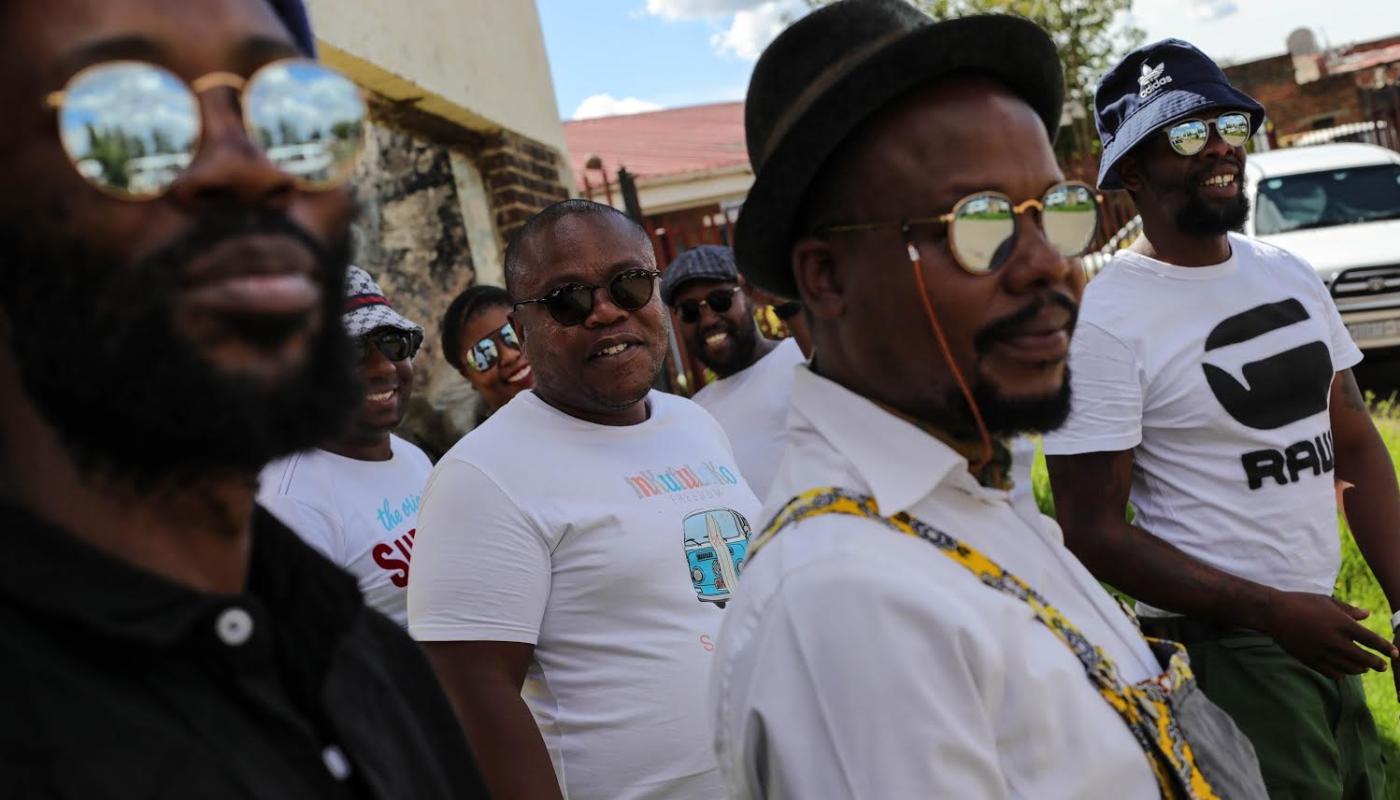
(610, 548)
(752, 407)
(1218, 378)
(361, 515)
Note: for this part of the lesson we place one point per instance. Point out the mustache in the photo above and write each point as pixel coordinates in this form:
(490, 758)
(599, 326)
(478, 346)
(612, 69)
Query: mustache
(1198, 175)
(1007, 326)
(219, 226)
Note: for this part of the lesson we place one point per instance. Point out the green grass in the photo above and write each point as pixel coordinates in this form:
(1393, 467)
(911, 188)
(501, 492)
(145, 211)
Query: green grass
(1355, 585)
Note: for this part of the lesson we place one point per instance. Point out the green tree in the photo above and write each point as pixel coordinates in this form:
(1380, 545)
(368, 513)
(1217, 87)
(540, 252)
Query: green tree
(161, 143)
(1092, 35)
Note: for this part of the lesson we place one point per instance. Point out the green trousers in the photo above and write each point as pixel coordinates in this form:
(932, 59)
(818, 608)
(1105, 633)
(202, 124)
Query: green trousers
(1314, 735)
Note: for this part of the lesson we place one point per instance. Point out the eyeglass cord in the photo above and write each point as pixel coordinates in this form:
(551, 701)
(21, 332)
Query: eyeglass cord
(982, 431)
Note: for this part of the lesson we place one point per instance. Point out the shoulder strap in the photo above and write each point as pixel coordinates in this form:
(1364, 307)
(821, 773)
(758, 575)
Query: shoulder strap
(1144, 708)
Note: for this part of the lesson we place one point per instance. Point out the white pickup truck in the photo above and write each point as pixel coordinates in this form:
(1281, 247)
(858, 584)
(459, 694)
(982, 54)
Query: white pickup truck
(1338, 207)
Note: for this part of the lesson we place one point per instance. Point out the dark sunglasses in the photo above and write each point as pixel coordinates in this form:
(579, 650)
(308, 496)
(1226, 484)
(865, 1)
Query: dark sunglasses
(394, 344)
(484, 354)
(1189, 136)
(982, 225)
(571, 303)
(788, 310)
(720, 300)
(131, 128)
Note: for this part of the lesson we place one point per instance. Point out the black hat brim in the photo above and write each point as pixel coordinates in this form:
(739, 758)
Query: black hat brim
(1012, 50)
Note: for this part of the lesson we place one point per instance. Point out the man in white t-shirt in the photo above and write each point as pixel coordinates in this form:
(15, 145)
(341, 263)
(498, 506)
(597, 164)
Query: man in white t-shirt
(1212, 387)
(866, 653)
(356, 498)
(575, 551)
(750, 400)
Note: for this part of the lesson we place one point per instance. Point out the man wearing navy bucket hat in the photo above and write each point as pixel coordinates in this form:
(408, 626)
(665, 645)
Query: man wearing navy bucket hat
(1213, 388)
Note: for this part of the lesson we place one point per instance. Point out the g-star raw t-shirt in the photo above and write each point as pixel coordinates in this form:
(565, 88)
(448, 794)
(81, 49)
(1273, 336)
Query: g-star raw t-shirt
(611, 549)
(1218, 379)
(362, 515)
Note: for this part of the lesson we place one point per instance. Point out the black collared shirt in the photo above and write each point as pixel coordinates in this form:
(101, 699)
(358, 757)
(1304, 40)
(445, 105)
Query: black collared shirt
(115, 683)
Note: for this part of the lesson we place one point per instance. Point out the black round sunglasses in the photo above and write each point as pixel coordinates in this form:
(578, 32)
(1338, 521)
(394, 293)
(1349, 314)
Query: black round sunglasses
(720, 301)
(571, 303)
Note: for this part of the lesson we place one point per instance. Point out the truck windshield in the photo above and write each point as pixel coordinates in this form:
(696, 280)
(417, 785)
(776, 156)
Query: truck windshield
(1323, 199)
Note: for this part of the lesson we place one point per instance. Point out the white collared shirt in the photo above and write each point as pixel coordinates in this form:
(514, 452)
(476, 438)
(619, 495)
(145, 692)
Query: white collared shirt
(752, 407)
(856, 662)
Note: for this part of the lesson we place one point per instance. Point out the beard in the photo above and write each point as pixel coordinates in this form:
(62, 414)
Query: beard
(745, 340)
(101, 358)
(1008, 416)
(1199, 218)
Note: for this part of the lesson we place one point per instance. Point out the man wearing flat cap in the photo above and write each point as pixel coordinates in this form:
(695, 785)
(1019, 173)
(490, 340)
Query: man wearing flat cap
(716, 322)
(902, 628)
(170, 296)
(1213, 389)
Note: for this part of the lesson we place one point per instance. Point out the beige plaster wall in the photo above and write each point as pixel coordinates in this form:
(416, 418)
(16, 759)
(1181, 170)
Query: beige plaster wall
(480, 63)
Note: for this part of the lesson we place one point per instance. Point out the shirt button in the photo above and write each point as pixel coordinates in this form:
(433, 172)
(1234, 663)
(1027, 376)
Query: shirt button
(234, 626)
(336, 762)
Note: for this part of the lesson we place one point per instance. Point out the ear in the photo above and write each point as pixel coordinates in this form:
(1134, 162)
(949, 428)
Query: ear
(819, 287)
(1130, 173)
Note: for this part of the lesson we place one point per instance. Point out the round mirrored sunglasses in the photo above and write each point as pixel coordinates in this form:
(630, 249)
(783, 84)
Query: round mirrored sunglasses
(131, 128)
(982, 225)
(1189, 136)
(571, 303)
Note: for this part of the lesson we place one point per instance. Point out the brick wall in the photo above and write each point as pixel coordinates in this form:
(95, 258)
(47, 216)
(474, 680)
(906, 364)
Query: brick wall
(1295, 108)
(522, 176)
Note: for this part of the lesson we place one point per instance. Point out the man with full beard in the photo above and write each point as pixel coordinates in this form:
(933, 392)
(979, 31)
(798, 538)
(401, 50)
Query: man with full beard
(168, 324)
(1213, 389)
(750, 399)
(903, 629)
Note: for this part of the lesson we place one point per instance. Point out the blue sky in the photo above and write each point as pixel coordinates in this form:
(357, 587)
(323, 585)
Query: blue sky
(610, 56)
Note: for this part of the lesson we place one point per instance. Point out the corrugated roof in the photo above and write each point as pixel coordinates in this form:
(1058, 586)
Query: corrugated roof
(1365, 59)
(656, 143)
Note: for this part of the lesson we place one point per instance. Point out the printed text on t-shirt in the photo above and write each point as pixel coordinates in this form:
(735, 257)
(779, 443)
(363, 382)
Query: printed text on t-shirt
(681, 479)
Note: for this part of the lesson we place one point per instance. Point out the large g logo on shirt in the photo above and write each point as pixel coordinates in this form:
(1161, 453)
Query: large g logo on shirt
(1282, 388)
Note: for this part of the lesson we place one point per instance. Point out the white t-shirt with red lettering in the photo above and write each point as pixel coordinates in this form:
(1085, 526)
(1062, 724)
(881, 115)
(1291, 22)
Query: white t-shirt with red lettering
(360, 514)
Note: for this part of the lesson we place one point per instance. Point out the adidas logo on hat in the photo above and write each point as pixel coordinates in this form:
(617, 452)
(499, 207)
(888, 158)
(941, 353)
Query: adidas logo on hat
(1152, 79)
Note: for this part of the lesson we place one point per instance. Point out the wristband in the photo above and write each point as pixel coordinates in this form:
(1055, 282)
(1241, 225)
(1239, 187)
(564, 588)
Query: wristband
(1394, 621)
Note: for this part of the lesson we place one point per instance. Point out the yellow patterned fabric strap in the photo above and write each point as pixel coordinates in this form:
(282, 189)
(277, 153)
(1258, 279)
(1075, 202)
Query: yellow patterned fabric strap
(1145, 708)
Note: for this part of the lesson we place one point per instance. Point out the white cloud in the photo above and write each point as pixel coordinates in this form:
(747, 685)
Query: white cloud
(1209, 10)
(692, 9)
(605, 105)
(752, 29)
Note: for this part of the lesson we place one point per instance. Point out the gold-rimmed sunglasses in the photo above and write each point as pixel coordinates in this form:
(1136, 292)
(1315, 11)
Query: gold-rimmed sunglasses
(130, 128)
(982, 225)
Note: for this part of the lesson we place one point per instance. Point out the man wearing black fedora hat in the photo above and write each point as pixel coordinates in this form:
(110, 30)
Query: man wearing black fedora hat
(1213, 388)
(903, 629)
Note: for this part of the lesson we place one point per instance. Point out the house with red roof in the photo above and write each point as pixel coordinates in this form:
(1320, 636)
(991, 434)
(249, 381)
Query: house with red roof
(689, 167)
